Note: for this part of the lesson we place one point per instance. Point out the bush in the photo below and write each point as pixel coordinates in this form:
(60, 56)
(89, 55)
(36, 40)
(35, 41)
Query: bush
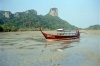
(1, 29)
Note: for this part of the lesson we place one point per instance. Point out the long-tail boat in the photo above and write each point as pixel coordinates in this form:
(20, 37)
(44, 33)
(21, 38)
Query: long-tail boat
(62, 35)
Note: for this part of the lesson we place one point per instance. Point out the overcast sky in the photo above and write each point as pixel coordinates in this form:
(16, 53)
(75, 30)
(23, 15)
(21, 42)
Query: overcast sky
(81, 13)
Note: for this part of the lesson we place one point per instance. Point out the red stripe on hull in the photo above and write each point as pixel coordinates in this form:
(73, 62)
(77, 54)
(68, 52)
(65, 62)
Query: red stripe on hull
(57, 37)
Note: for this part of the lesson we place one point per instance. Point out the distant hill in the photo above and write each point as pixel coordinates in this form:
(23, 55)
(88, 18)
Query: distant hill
(93, 27)
(29, 20)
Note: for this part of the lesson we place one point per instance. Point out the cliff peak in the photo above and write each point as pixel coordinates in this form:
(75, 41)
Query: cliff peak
(53, 12)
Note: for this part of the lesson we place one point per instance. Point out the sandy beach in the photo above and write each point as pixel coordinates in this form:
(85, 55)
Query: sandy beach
(30, 48)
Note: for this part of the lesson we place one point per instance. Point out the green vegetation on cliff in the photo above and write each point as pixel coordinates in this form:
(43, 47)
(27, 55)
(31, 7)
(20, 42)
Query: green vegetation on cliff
(29, 20)
(94, 27)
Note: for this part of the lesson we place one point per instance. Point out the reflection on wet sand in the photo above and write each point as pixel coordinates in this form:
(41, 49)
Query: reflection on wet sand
(62, 44)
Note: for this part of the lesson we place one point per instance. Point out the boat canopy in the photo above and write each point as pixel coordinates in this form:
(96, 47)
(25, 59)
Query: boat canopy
(59, 29)
(66, 32)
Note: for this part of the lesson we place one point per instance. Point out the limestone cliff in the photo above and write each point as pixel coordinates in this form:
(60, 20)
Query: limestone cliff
(31, 11)
(7, 14)
(53, 12)
(16, 14)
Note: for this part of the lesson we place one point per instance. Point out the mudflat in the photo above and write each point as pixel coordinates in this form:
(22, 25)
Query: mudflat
(30, 48)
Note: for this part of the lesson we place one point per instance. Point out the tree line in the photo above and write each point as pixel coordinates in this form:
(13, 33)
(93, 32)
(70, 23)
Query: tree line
(29, 21)
(94, 27)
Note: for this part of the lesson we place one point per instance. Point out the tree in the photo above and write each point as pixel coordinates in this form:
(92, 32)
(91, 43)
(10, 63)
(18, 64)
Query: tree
(1, 29)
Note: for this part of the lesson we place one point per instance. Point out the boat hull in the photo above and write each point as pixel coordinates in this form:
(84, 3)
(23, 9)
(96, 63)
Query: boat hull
(51, 37)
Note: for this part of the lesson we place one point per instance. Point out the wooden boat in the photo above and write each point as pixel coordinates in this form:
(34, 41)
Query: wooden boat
(62, 35)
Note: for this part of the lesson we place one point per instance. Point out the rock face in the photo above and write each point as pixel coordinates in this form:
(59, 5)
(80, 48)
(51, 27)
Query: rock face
(7, 14)
(16, 14)
(53, 12)
(31, 11)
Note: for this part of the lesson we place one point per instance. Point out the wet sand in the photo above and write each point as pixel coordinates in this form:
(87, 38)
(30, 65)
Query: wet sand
(29, 48)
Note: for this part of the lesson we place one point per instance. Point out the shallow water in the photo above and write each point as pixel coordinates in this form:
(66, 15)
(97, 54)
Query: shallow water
(30, 48)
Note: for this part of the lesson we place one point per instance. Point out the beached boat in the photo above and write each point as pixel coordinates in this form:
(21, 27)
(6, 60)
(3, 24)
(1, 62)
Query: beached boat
(62, 35)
